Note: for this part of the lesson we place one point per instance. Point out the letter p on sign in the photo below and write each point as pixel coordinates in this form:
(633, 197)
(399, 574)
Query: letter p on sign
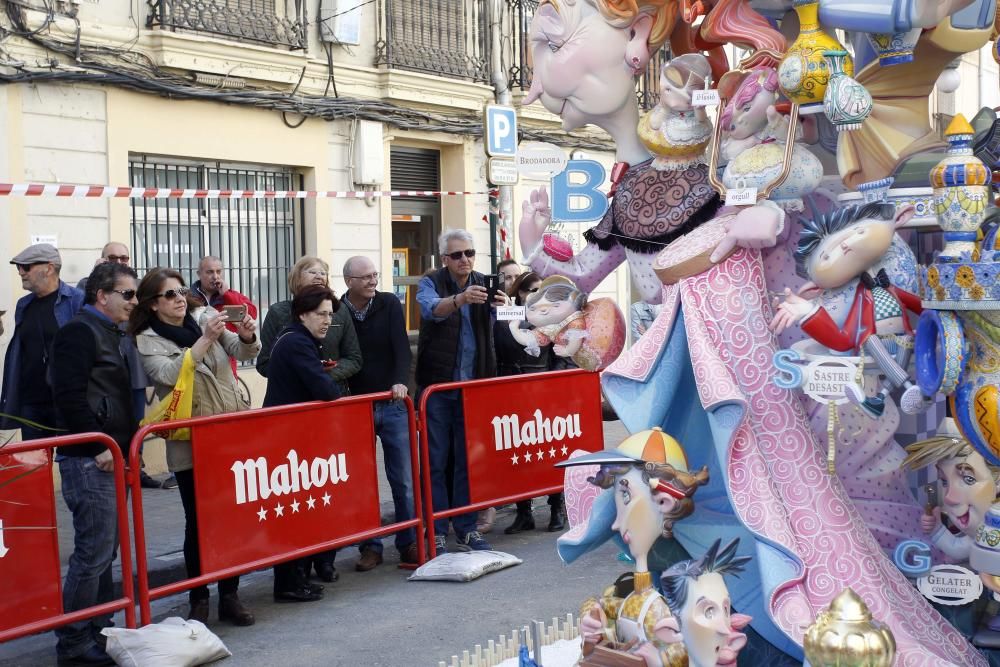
(501, 131)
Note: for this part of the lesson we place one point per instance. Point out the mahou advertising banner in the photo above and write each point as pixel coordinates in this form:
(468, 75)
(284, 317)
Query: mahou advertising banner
(517, 431)
(29, 542)
(271, 483)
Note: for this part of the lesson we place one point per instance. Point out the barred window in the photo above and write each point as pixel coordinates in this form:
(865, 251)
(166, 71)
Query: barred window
(257, 240)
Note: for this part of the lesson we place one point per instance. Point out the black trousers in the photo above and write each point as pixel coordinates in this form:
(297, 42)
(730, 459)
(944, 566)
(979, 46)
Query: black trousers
(192, 559)
(524, 506)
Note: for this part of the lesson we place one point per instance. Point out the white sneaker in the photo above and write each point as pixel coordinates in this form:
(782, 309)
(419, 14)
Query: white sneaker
(855, 393)
(912, 401)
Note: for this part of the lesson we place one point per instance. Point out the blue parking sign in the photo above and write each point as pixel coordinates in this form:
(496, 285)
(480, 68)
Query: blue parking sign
(501, 131)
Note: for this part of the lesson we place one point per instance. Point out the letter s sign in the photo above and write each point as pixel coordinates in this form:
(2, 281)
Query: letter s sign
(567, 197)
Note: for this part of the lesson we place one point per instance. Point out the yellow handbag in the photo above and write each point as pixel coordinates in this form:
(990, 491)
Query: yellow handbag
(176, 404)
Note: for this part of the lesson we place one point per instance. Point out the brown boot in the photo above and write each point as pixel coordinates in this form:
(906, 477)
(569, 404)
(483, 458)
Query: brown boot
(231, 609)
(199, 610)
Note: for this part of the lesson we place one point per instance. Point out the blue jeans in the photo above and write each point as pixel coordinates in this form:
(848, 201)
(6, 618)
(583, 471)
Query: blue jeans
(446, 440)
(393, 430)
(90, 495)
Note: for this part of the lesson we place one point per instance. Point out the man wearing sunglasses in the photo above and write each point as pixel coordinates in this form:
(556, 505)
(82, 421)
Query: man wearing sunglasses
(92, 392)
(455, 343)
(48, 306)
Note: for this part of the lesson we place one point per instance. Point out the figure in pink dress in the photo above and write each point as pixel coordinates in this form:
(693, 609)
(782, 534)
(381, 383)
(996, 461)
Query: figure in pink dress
(703, 371)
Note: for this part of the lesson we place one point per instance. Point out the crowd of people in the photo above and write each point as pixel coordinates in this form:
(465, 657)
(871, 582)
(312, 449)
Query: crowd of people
(100, 345)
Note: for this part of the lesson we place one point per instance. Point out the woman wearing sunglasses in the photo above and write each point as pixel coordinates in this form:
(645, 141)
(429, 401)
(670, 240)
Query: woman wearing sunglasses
(165, 325)
(513, 360)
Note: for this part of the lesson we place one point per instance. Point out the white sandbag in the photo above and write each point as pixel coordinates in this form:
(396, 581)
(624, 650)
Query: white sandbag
(172, 642)
(463, 566)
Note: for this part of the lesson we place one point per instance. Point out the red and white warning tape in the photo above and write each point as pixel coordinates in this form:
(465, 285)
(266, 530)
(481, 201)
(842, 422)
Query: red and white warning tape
(111, 192)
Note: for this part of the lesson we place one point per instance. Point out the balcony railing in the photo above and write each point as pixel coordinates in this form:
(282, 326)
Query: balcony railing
(442, 37)
(261, 21)
(517, 24)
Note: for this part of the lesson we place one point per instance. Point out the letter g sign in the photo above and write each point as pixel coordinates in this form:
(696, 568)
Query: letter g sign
(913, 558)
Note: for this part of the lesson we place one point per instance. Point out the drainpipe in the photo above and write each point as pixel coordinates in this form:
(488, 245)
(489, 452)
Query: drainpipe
(503, 96)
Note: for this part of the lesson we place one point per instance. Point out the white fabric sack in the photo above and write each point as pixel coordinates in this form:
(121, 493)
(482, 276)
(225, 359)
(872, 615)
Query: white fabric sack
(172, 642)
(463, 566)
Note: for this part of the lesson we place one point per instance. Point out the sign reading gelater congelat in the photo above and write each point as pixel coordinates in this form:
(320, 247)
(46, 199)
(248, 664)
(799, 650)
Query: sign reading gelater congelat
(950, 585)
(517, 431)
(271, 483)
(29, 542)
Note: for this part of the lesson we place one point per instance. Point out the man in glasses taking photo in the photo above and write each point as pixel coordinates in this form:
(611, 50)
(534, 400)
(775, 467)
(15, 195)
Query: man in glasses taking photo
(455, 344)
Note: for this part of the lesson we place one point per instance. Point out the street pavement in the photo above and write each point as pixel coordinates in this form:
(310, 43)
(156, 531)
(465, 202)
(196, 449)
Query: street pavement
(375, 618)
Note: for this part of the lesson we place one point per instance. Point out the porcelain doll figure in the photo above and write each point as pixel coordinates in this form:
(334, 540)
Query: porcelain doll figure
(676, 131)
(703, 617)
(833, 250)
(754, 141)
(967, 488)
(591, 334)
(648, 489)
(703, 368)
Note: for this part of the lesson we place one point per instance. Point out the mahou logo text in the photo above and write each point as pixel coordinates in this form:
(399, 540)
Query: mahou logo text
(509, 432)
(253, 478)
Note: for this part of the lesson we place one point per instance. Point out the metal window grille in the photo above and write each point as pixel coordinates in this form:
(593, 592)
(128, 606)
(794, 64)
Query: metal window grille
(263, 21)
(258, 240)
(442, 37)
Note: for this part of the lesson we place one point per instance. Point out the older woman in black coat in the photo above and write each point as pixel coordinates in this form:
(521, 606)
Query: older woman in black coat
(296, 374)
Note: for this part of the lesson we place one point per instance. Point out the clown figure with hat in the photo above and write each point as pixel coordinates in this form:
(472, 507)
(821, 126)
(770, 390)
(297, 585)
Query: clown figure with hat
(647, 488)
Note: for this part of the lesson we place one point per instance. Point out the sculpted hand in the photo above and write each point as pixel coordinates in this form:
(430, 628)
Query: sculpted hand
(592, 625)
(535, 218)
(754, 227)
(105, 461)
(928, 522)
(791, 312)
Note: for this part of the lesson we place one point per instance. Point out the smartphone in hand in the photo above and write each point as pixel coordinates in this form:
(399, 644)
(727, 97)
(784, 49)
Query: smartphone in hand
(234, 314)
(494, 284)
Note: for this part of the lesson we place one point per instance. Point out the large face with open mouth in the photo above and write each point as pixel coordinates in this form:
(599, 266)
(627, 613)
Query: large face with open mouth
(969, 489)
(578, 59)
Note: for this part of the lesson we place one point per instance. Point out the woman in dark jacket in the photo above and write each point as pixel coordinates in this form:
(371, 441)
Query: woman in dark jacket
(297, 374)
(513, 360)
(341, 351)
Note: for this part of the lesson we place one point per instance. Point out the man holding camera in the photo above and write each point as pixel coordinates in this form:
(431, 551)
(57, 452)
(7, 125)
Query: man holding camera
(211, 290)
(455, 344)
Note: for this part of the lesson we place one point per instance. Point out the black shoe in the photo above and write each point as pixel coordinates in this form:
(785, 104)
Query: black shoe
(297, 595)
(521, 522)
(315, 588)
(92, 657)
(147, 482)
(327, 572)
(169, 483)
(199, 610)
(557, 520)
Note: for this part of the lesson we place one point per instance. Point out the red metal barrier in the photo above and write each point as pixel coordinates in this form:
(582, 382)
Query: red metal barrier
(32, 601)
(516, 428)
(269, 481)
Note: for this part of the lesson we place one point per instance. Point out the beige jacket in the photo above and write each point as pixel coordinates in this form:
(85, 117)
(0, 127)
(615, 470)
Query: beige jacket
(214, 386)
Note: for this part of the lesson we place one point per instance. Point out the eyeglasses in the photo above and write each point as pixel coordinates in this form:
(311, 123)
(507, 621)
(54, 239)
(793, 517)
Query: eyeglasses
(369, 278)
(317, 273)
(457, 255)
(129, 294)
(172, 294)
(121, 259)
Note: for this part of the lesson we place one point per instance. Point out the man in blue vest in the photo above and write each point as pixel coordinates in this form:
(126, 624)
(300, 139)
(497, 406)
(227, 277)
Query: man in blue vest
(455, 344)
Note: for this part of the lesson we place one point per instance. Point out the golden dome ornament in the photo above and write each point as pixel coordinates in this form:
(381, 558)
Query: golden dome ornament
(845, 635)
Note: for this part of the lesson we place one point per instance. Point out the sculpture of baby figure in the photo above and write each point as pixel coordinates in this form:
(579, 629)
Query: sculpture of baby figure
(675, 130)
(753, 146)
(591, 334)
(833, 250)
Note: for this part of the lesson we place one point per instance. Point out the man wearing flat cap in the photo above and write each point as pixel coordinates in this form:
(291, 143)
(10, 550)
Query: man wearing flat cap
(49, 304)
